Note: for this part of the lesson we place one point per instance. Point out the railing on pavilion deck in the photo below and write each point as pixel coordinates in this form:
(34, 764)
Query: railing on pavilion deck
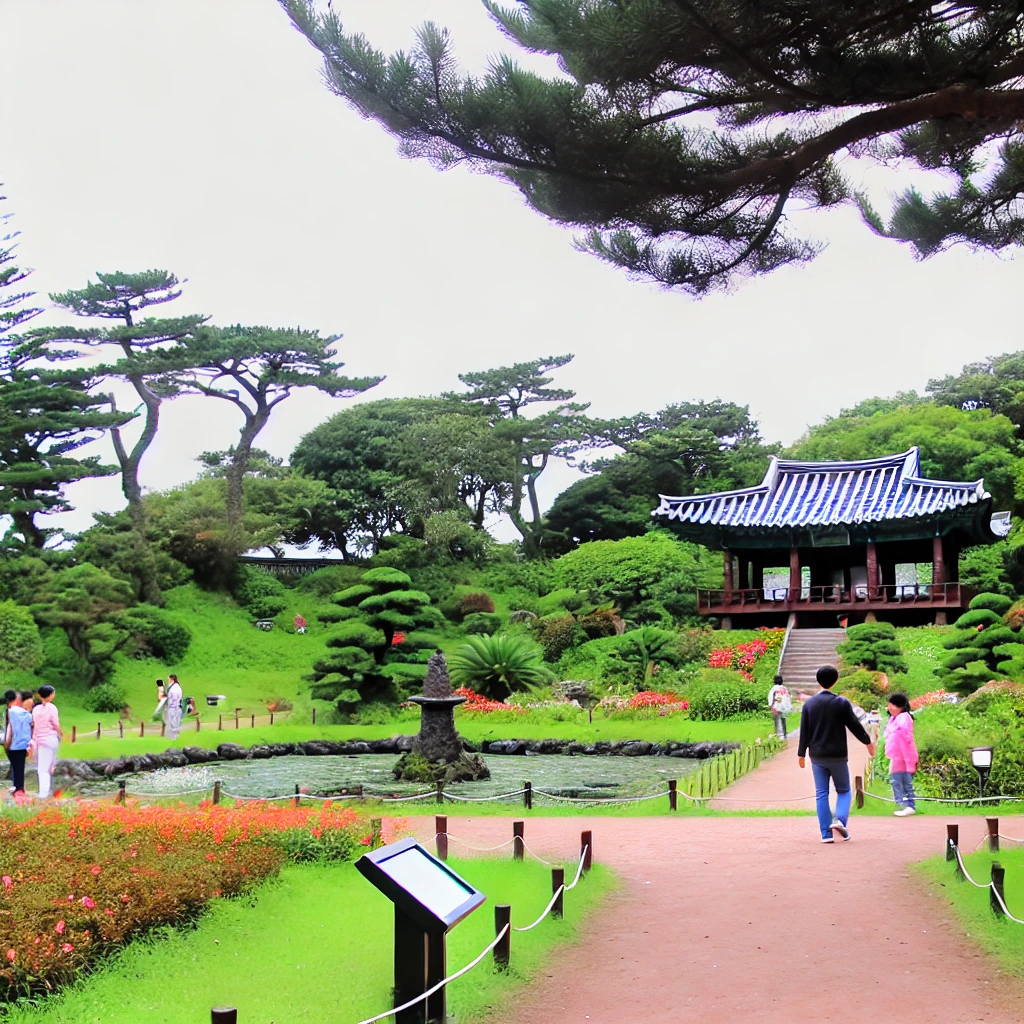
(927, 595)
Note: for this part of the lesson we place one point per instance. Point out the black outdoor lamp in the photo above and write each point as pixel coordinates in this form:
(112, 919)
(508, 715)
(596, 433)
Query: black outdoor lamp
(429, 899)
(981, 758)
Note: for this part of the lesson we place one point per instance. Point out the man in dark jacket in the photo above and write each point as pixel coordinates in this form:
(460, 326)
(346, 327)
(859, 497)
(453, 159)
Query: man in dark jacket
(823, 724)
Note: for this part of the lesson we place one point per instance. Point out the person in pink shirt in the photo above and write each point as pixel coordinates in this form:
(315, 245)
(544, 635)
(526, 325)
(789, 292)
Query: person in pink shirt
(902, 753)
(46, 735)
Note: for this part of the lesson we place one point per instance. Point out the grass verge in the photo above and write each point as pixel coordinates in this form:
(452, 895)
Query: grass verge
(1000, 938)
(316, 944)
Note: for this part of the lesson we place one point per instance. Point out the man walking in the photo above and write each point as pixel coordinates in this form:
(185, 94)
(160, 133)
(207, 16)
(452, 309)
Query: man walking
(823, 724)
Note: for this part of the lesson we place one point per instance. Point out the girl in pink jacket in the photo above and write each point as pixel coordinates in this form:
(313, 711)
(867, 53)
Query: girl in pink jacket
(902, 753)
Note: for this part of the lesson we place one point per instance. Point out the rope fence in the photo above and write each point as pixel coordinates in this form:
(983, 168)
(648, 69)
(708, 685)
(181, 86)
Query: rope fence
(996, 882)
(499, 946)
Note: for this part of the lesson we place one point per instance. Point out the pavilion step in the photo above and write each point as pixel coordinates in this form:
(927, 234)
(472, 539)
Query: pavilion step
(806, 651)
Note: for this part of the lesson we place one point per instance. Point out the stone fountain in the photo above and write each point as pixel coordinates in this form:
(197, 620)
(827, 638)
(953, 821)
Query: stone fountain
(437, 753)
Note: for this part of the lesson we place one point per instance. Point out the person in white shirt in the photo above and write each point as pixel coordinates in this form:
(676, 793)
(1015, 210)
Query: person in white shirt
(173, 708)
(781, 705)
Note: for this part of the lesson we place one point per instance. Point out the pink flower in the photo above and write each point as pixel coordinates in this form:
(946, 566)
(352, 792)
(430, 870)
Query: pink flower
(60, 928)
(108, 912)
(8, 882)
(95, 869)
(87, 903)
(71, 898)
(11, 955)
(67, 948)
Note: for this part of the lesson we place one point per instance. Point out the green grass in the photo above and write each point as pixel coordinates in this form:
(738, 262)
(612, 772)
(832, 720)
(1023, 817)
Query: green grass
(316, 945)
(922, 648)
(999, 937)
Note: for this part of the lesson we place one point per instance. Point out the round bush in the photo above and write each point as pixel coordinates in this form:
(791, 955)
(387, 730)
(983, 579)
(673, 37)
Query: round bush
(106, 699)
(993, 602)
(482, 623)
(712, 701)
(160, 636)
(474, 603)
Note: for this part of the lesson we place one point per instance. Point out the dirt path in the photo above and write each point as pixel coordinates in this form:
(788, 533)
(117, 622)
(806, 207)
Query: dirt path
(727, 919)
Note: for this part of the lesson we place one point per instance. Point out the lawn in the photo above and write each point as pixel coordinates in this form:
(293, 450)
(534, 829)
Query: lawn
(999, 937)
(922, 648)
(316, 945)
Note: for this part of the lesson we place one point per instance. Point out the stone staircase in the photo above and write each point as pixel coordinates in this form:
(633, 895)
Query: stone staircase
(806, 652)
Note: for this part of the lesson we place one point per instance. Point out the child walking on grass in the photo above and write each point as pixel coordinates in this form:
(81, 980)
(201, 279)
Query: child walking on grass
(902, 753)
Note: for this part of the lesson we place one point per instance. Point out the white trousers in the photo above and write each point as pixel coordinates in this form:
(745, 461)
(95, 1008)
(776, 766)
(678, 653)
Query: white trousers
(46, 759)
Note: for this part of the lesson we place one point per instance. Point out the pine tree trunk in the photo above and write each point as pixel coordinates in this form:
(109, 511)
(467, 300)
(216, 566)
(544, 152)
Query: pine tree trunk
(24, 523)
(236, 471)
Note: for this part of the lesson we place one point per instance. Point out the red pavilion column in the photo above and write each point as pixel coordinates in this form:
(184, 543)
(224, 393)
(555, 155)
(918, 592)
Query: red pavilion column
(794, 574)
(872, 571)
(938, 562)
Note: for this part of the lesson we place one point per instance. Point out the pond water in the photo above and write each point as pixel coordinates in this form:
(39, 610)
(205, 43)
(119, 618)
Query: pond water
(591, 777)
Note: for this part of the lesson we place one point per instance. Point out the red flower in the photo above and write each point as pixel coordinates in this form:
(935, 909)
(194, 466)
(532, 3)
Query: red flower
(67, 948)
(11, 955)
(398, 638)
(87, 903)
(60, 928)
(95, 869)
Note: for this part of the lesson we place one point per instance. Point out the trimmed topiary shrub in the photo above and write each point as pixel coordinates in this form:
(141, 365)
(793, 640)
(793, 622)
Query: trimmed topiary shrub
(722, 693)
(106, 699)
(982, 648)
(158, 635)
(873, 645)
(991, 602)
(478, 602)
(261, 594)
(486, 623)
(557, 634)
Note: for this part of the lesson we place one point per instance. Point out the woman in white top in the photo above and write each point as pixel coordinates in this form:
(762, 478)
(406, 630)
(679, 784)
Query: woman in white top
(172, 709)
(781, 705)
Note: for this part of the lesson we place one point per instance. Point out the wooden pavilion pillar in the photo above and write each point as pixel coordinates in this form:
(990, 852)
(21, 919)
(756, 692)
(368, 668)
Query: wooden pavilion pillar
(727, 574)
(757, 577)
(744, 566)
(938, 562)
(872, 571)
(794, 574)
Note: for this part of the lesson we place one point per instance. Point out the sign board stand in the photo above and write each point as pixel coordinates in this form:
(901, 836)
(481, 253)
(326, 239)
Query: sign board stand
(429, 899)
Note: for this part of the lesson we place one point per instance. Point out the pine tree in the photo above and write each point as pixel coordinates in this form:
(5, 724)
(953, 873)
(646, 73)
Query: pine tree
(983, 646)
(46, 414)
(255, 369)
(375, 653)
(681, 132)
(123, 297)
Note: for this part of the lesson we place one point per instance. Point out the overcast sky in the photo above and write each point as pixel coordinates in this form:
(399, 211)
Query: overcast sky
(197, 136)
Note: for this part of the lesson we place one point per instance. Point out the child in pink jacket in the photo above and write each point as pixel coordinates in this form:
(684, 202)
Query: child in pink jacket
(902, 753)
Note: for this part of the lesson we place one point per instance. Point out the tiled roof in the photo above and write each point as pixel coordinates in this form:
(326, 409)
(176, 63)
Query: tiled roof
(820, 494)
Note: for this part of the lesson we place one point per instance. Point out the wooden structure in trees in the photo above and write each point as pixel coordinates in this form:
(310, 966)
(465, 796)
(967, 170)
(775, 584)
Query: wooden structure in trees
(840, 528)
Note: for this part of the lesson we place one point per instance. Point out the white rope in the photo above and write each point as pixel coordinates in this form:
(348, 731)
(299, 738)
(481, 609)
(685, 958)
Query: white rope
(598, 801)
(399, 799)
(546, 911)
(478, 849)
(579, 869)
(546, 863)
(440, 984)
(964, 870)
(266, 799)
(183, 792)
(947, 800)
(482, 799)
(1009, 839)
(1002, 903)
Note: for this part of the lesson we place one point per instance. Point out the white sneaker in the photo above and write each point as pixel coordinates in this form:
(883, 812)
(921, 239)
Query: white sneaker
(840, 829)
(905, 812)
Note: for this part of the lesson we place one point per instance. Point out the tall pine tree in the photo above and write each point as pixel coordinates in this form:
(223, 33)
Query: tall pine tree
(681, 132)
(46, 414)
(124, 298)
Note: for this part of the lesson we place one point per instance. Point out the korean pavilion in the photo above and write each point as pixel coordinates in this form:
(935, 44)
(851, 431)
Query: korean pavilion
(840, 529)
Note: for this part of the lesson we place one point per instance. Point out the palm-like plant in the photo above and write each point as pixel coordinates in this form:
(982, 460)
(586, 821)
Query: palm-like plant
(498, 665)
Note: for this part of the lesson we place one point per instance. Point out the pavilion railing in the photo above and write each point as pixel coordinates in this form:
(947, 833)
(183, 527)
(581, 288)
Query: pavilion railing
(832, 595)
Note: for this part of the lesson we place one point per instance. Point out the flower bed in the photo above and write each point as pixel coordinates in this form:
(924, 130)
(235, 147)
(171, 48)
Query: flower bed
(666, 703)
(744, 656)
(476, 703)
(73, 887)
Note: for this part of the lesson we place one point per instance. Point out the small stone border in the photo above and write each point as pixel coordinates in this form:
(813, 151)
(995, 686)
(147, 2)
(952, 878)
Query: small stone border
(91, 771)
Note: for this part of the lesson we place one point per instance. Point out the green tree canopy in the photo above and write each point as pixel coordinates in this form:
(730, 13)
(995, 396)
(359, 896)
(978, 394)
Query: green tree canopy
(679, 133)
(996, 383)
(955, 444)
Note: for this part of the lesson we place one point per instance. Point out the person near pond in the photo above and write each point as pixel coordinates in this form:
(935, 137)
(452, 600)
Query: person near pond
(824, 720)
(17, 737)
(173, 708)
(902, 753)
(781, 705)
(46, 735)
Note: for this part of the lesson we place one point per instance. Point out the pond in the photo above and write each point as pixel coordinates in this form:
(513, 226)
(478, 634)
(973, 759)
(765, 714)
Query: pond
(590, 777)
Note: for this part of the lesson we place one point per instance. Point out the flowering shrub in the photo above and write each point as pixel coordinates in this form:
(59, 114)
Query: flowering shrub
(666, 703)
(926, 699)
(746, 655)
(76, 887)
(478, 704)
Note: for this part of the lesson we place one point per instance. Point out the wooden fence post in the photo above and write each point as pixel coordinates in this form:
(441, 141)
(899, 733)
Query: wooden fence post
(440, 792)
(952, 839)
(272, 717)
(236, 716)
(996, 892)
(99, 730)
(557, 886)
(295, 799)
(587, 850)
(673, 795)
(223, 1015)
(74, 734)
(528, 795)
(163, 729)
(993, 834)
(252, 722)
(142, 730)
(216, 792)
(375, 833)
(502, 917)
(441, 835)
(121, 794)
(858, 785)
(220, 723)
(314, 717)
(198, 724)
(518, 846)
(120, 728)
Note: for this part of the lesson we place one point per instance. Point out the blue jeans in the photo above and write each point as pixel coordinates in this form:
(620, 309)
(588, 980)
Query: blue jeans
(903, 788)
(839, 773)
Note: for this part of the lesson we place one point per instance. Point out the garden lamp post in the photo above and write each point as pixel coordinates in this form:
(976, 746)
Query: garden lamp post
(981, 758)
